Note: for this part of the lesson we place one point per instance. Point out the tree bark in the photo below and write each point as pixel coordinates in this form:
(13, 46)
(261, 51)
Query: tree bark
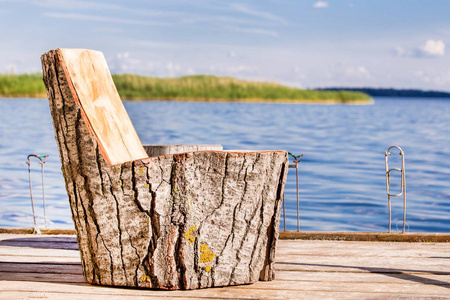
(178, 221)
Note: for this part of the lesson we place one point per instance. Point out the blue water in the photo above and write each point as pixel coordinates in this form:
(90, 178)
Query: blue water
(342, 173)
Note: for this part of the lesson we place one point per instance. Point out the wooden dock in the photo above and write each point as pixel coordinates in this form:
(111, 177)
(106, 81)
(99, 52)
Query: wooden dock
(49, 266)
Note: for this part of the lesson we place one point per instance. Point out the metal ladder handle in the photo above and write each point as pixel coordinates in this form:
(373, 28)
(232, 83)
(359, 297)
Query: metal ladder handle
(42, 159)
(388, 185)
(43, 191)
(284, 199)
(397, 147)
(403, 184)
(36, 228)
(294, 166)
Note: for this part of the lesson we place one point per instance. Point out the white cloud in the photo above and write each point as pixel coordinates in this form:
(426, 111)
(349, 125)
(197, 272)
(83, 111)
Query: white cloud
(341, 74)
(108, 30)
(85, 17)
(433, 48)
(233, 70)
(150, 44)
(73, 5)
(442, 79)
(321, 4)
(259, 31)
(101, 7)
(11, 69)
(125, 62)
(124, 55)
(399, 51)
(19, 66)
(214, 20)
(421, 75)
(359, 72)
(437, 79)
(261, 14)
(191, 71)
(173, 69)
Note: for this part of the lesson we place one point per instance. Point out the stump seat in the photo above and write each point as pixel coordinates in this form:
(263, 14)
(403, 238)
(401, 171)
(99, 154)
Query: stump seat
(201, 218)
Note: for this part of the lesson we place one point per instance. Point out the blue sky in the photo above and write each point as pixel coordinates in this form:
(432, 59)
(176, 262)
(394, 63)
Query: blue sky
(308, 44)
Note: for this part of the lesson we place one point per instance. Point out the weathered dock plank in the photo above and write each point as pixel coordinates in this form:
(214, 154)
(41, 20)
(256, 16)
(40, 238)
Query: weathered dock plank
(366, 236)
(50, 267)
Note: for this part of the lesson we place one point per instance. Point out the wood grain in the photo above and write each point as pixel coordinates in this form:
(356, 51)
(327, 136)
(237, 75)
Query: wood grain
(58, 280)
(158, 150)
(93, 88)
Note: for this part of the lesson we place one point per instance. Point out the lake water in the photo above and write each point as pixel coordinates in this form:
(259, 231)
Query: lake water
(342, 172)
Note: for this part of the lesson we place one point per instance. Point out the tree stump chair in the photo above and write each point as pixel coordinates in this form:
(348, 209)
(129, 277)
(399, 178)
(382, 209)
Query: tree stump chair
(176, 221)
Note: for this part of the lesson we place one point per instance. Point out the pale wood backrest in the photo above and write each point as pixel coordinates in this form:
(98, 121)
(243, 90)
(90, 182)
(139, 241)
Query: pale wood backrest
(95, 90)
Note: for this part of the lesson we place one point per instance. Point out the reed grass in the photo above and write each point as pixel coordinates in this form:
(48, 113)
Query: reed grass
(212, 88)
(194, 88)
(23, 85)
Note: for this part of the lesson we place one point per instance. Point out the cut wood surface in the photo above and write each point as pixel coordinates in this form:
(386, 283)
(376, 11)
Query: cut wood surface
(158, 150)
(93, 88)
(34, 267)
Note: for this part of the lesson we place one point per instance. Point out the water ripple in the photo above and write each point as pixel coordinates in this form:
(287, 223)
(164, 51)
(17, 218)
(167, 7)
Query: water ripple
(342, 181)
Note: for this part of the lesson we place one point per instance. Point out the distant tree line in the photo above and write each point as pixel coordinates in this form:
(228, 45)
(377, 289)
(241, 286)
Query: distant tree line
(382, 92)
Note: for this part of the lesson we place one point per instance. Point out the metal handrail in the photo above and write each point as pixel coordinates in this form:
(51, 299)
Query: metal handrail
(294, 166)
(42, 159)
(403, 184)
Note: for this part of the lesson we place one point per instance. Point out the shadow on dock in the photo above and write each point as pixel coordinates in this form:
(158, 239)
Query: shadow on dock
(403, 274)
(43, 242)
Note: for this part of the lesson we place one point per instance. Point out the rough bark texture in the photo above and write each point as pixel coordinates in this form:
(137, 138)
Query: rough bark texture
(181, 221)
(158, 150)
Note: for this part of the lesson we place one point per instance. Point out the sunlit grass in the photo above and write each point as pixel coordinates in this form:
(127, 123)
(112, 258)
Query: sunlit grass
(23, 85)
(195, 88)
(212, 88)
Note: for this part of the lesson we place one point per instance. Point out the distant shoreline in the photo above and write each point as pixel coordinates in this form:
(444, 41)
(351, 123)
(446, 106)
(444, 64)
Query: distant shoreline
(284, 101)
(390, 92)
(206, 88)
(278, 101)
(191, 88)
